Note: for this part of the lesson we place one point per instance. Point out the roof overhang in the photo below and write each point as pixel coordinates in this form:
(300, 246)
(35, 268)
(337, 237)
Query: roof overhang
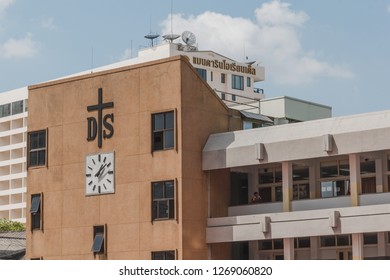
(313, 139)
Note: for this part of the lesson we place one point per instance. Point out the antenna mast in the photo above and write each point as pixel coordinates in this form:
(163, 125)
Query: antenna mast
(171, 37)
(151, 36)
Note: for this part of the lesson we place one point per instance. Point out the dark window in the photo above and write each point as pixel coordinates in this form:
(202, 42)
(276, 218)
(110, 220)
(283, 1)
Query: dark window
(338, 240)
(370, 238)
(302, 242)
(328, 241)
(265, 194)
(278, 194)
(270, 189)
(265, 245)
(17, 107)
(37, 148)
(5, 110)
(275, 244)
(163, 131)
(334, 169)
(98, 239)
(367, 167)
(343, 240)
(388, 162)
(301, 191)
(223, 78)
(163, 255)
(329, 169)
(233, 97)
(223, 96)
(278, 244)
(238, 82)
(211, 76)
(248, 82)
(163, 200)
(35, 211)
(300, 173)
(202, 73)
(266, 176)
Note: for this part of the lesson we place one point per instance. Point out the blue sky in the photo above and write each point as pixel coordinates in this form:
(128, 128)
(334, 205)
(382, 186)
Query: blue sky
(334, 52)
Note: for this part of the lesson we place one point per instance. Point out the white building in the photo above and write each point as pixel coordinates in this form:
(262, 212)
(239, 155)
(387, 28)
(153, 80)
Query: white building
(324, 186)
(13, 135)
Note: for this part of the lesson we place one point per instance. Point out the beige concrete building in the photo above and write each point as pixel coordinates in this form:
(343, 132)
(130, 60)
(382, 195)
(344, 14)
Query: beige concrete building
(115, 163)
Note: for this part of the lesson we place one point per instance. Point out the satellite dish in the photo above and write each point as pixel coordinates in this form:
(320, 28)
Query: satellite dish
(188, 38)
(151, 37)
(171, 37)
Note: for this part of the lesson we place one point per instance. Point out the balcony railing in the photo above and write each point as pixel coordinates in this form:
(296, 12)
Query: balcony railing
(258, 208)
(309, 204)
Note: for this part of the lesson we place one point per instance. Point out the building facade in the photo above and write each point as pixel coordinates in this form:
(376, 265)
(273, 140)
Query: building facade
(13, 152)
(115, 163)
(324, 188)
(145, 160)
(232, 81)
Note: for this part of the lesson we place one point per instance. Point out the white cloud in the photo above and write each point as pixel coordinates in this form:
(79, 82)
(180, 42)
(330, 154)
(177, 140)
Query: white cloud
(19, 48)
(48, 23)
(278, 13)
(272, 38)
(4, 4)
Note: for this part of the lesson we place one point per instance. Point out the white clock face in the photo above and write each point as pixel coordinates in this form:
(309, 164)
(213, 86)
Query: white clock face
(99, 174)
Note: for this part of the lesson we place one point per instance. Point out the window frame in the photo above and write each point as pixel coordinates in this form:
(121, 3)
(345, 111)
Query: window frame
(170, 201)
(302, 243)
(237, 82)
(37, 150)
(100, 231)
(248, 82)
(164, 255)
(223, 78)
(36, 215)
(341, 175)
(5, 110)
(202, 73)
(370, 239)
(15, 105)
(163, 131)
(275, 244)
(275, 185)
(301, 182)
(336, 239)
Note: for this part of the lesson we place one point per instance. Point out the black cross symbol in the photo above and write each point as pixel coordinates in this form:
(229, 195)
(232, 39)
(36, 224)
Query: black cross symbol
(99, 107)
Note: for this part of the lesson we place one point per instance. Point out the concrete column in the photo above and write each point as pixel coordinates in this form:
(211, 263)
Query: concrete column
(385, 177)
(314, 245)
(357, 246)
(287, 185)
(253, 180)
(379, 175)
(288, 247)
(381, 244)
(312, 179)
(355, 180)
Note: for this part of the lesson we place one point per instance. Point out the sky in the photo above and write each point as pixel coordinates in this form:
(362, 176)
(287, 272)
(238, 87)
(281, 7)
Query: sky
(334, 52)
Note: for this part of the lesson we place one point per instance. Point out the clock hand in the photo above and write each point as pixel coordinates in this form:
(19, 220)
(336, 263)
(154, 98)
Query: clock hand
(100, 170)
